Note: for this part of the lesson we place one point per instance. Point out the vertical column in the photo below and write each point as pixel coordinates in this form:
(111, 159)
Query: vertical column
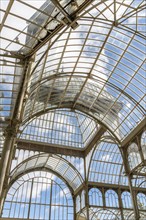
(103, 196)
(50, 200)
(30, 198)
(6, 161)
(11, 133)
(86, 191)
(74, 203)
(87, 200)
(120, 204)
(134, 200)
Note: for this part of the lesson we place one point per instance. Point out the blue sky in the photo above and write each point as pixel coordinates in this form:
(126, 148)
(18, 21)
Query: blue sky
(122, 65)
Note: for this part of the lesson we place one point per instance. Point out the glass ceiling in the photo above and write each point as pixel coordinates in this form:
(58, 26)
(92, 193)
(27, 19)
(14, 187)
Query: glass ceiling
(61, 127)
(109, 86)
(71, 71)
(52, 163)
(107, 165)
(79, 62)
(38, 186)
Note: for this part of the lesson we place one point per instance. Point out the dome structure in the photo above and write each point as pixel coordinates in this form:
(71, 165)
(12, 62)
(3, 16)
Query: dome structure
(72, 109)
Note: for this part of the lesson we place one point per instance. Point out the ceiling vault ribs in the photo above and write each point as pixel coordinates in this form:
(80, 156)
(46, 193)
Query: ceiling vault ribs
(39, 80)
(77, 63)
(59, 28)
(133, 12)
(75, 66)
(95, 139)
(90, 73)
(6, 14)
(59, 65)
(130, 118)
(141, 126)
(112, 73)
(12, 130)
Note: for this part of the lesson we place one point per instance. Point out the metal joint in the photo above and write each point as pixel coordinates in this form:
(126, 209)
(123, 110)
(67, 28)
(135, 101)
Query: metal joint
(11, 129)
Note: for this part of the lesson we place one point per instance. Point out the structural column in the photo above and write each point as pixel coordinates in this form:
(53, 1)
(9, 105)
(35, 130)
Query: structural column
(11, 133)
(86, 190)
(134, 200)
(5, 163)
(120, 204)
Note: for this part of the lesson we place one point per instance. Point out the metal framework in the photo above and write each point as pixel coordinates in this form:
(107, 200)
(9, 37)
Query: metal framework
(72, 109)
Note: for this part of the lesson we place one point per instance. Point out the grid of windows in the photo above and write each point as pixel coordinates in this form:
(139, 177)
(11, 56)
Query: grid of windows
(72, 75)
(39, 196)
(62, 127)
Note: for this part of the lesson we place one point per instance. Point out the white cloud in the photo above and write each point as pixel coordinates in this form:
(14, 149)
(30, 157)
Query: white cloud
(106, 157)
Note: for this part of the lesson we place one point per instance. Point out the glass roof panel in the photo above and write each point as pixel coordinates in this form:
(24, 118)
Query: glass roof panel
(62, 127)
(54, 163)
(112, 68)
(83, 56)
(122, 65)
(27, 29)
(21, 155)
(92, 51)
(77, 162)
(106, 165)
(41, 191)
